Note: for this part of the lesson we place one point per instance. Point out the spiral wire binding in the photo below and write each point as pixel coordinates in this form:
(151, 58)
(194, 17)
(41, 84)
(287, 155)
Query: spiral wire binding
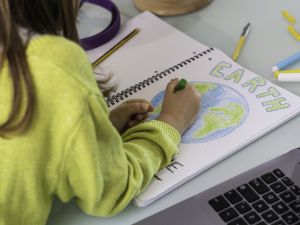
(116, 98)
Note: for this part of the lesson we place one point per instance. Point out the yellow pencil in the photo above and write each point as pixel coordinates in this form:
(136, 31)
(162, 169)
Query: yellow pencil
(241, 42)
(115, 47)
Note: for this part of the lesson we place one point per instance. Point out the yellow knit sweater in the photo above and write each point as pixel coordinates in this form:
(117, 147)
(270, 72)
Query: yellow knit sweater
(71, 149)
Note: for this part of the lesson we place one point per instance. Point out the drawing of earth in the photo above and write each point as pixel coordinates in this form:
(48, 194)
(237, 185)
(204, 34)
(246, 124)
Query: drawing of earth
(223, 109)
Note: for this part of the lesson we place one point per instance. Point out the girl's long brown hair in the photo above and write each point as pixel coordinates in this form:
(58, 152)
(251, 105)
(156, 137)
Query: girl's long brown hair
(37, 16)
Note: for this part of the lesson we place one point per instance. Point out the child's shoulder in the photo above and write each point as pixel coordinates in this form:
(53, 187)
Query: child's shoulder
(60, 55)
(55, 47)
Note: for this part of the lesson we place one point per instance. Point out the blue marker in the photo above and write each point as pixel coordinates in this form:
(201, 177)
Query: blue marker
(286, 62)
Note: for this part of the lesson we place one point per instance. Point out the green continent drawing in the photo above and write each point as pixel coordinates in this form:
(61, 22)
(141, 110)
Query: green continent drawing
(219, 118)
(204, 88)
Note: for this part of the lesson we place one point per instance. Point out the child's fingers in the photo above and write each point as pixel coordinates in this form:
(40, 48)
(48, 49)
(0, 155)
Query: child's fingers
(138, 118)
(134, 122)
(141, 116)
(139, 100)
(171, 85)
(144, 105)
(135, 108)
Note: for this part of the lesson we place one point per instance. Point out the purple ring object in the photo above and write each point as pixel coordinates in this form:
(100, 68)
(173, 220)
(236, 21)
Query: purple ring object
(108, 33)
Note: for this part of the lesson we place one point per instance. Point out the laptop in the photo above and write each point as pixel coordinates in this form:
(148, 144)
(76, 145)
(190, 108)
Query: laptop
(268, 194)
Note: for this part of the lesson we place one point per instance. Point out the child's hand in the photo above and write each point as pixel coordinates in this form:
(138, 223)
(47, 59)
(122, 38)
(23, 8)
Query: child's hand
(130, 113)
(180, 108)
(105, 80)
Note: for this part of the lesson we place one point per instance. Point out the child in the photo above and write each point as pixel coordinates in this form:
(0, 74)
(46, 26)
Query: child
(57, 137)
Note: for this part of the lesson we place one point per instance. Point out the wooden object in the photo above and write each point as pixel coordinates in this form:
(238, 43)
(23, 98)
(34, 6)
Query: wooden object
(170, 7)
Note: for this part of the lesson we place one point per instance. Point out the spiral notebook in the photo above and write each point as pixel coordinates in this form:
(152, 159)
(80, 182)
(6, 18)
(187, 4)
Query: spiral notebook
(238, 106)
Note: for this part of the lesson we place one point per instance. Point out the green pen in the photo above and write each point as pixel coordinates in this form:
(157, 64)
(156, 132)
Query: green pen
(181, 85)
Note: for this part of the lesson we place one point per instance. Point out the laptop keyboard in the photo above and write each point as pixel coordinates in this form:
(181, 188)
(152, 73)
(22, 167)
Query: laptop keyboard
(271, 199)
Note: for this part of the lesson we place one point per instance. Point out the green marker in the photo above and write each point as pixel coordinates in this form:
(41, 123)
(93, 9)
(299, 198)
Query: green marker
(181, 85)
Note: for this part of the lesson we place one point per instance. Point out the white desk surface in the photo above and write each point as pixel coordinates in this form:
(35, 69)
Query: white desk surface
(220, 25)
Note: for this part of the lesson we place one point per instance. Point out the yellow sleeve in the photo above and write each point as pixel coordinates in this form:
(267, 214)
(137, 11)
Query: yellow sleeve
(104, 171)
